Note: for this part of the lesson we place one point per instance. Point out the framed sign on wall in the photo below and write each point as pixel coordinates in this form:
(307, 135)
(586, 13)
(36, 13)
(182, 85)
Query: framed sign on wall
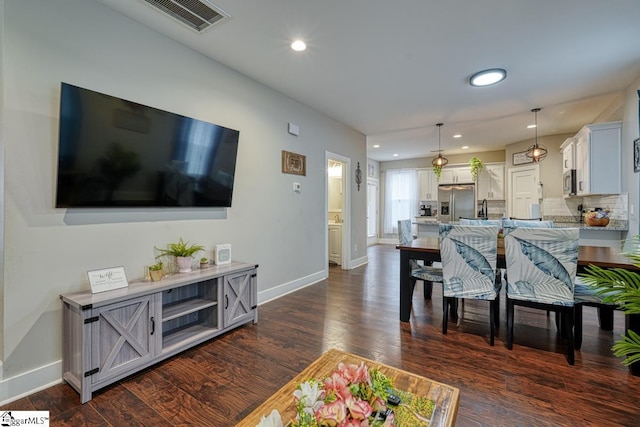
(521, 158)
(293, 163)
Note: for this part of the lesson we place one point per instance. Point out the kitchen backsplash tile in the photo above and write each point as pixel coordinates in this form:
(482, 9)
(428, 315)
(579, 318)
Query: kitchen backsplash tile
(617, 204)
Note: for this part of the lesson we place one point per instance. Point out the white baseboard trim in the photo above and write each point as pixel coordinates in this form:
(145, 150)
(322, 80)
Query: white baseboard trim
(287, 288)
(358, 262)
(29, 382)
(388, 241)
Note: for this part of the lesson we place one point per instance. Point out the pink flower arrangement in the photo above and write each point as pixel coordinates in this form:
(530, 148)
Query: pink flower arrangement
(353, 396)
(347, 397)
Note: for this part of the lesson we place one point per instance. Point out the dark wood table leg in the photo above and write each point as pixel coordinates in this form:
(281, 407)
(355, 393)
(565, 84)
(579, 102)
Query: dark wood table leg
(406, 290)
(605, 317)
(632, 322)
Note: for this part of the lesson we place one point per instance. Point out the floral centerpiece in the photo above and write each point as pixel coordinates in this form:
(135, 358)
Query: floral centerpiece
(353, 396)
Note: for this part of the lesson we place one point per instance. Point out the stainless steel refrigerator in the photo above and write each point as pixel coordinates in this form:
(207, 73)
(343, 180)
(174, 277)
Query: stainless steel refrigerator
(456, 201)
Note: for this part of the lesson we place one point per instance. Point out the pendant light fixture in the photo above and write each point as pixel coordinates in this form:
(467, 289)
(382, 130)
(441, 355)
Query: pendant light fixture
(439, 161)
(537, 152)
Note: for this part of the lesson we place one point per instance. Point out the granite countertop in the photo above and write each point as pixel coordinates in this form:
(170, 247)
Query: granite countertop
(614, 225)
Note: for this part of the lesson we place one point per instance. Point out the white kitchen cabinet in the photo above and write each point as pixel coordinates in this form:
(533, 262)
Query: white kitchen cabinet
(110, 335)
(598, 151)
(456, 175)
(491, 182)
(427, 185)
(335, 243)
(568, 149)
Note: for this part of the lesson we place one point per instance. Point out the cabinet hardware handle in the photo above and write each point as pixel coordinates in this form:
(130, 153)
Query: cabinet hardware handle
(226, 301)
(153, 325)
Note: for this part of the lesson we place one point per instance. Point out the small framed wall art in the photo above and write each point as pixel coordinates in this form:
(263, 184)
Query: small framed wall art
(222, 254)
(293, 163)
(521, 158)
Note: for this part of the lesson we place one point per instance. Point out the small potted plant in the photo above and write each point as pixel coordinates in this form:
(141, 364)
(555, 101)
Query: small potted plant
(204, 262)
(183, 253)
(156, 271)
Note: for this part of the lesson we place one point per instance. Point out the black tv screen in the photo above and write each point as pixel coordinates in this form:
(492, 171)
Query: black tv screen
(117, 153)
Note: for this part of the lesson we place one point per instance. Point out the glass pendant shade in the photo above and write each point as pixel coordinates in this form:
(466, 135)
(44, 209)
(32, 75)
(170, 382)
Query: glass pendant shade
(536, 152)
(439, 161)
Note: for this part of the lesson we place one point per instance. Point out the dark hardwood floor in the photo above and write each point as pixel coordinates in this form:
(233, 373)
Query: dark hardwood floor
(219, 382)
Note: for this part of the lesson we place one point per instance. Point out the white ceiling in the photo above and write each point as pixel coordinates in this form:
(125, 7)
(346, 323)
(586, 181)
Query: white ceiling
(393, 69)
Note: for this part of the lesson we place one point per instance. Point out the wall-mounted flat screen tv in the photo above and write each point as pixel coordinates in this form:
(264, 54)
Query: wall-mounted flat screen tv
(117, 153)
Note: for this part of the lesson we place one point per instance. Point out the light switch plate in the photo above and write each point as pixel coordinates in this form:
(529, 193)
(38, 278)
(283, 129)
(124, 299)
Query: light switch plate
(297, 187)
(294, 129)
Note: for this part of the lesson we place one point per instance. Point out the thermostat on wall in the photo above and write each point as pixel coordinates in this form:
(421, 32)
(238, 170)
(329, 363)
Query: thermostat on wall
(222, 254)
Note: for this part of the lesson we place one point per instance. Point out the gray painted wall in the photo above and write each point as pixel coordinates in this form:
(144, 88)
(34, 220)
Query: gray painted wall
(48, 251)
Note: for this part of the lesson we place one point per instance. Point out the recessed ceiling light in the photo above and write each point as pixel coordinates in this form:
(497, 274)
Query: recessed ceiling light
(376, 146)
(395, 154)
(457, 135)
(488, 77)
(298, 45)
(531, 126)
(465, 147)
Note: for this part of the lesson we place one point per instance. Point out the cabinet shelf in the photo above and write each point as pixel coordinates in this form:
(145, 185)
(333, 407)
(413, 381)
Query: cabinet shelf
(185, 307)
(185, 336)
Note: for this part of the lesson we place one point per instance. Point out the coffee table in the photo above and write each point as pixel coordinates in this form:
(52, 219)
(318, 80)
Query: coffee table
(446, 398)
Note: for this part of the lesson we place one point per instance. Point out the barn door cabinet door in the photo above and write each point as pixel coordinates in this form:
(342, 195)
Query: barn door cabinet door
(240, 298)
(124, 337)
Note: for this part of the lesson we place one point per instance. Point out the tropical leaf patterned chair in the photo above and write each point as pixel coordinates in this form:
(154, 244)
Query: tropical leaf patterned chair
(483, 222)
(585, 295)
(428, 274)
(469, 255)
(541, 271)
(508, 225)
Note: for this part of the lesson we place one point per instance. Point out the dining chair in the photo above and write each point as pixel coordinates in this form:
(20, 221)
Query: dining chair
(469, 254)
(485, 222)
(586, 295)
(428, 274)
(509, 224)
(541, 270)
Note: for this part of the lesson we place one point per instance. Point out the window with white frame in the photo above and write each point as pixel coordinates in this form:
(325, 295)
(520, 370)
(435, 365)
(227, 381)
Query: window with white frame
(400, 197)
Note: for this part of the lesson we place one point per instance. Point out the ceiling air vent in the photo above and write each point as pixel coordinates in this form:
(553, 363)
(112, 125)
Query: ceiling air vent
(198, 15)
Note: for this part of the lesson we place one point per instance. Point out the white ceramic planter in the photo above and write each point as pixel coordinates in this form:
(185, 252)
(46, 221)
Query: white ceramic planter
(184, 263)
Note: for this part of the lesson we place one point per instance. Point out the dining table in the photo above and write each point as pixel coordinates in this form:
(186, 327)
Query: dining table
(427, 249)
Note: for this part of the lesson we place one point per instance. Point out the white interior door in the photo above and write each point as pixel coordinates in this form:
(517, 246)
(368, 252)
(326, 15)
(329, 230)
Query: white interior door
(372, 211)
(523, 190)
